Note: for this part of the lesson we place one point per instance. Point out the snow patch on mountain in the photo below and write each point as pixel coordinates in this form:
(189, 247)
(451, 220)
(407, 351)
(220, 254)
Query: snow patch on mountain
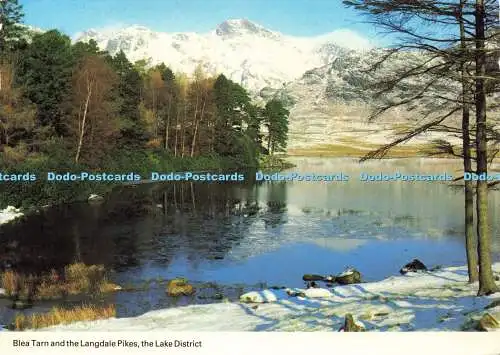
(246, 52)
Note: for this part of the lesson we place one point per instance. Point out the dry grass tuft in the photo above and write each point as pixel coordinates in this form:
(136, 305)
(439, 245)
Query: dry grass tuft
(18, 285)
(10, 282)
(63, 316)
(78, 278)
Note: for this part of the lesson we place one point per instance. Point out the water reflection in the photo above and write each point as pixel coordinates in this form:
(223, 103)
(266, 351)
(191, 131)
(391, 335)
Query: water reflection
(249, 233)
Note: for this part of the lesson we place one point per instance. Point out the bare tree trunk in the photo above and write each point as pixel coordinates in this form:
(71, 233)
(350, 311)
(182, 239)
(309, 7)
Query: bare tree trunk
(195, 120)
(167, 123)
(176, 131)
(193, 145)
(470, 237)
(269, 144)
(183, 130)
(82, 127)
(155, 114)
(486, 280)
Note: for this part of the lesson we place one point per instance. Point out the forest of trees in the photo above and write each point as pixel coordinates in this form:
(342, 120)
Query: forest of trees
(72, 102)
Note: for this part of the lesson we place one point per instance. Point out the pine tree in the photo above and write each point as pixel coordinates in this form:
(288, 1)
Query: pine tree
(45, 73)
(11, 15)
(170, 93)
(276, 121)
(129, 93)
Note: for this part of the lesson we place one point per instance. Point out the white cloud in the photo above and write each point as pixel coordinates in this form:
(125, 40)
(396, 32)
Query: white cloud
(349, 39)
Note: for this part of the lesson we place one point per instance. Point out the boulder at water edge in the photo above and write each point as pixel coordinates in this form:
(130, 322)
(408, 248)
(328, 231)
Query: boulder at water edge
(179, 287)
(413, 266)
(349, 276)
(312, 277)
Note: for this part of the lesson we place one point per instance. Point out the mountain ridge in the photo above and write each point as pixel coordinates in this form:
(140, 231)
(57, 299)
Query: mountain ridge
(244, 51)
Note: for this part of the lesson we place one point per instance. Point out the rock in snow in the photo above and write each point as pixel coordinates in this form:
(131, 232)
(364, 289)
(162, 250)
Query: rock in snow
(317, 293)
(259, 297)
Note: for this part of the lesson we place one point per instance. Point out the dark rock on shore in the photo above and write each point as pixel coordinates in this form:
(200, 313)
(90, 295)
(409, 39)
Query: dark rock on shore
(312, 284)
(349, 276)
(413, 266)
(295, 293)
(313, 277)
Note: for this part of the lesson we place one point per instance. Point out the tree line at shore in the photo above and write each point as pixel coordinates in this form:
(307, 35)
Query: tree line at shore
(70, 107)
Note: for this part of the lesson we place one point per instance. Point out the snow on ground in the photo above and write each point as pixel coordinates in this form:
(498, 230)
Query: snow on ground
(9, 213)
(441, 300)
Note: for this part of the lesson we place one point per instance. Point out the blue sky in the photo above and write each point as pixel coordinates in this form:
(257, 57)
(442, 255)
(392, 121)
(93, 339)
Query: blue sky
(293, 17)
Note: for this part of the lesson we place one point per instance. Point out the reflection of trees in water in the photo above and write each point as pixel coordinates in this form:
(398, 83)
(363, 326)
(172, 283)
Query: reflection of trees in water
(203, 221)
(276, 204)
(147, 223)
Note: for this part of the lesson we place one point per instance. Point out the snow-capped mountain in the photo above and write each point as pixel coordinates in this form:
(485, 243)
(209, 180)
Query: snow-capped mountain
(244, 51)
(319, 78)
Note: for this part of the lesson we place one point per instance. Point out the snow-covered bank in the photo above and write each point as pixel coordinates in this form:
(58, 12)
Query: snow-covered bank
(10, 213)
(441, 300)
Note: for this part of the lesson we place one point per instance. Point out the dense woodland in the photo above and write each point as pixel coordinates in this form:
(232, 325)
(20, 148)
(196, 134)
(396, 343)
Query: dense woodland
(71, 106)
(73, 96)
